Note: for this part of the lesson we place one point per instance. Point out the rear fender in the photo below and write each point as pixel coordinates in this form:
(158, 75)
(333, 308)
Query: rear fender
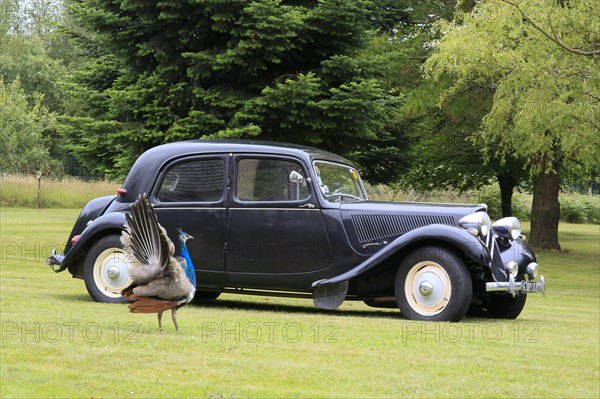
(92, 210)
(472, 248)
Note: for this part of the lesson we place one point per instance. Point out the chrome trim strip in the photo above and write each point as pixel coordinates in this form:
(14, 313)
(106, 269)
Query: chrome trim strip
(273, 209)
(170, 208)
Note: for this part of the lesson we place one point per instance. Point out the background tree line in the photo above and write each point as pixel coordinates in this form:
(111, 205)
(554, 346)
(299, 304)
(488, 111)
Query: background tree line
(425, 94)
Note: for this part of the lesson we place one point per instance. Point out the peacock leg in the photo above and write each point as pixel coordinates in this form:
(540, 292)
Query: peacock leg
(174, 317)
(159, 315)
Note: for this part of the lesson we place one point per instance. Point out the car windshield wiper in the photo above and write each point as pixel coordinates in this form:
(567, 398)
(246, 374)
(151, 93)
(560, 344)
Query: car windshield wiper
(344, 197)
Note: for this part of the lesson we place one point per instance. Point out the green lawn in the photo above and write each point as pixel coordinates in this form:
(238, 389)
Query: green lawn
(57, 342)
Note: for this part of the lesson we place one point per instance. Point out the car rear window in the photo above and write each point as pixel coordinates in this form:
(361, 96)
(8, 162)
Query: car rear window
(193, 181)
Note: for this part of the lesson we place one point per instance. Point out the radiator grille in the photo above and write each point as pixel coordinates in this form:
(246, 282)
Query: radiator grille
(376, 227)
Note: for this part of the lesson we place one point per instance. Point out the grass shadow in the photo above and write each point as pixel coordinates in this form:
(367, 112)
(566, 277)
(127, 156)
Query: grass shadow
(73, 297)
(261, 307)
(271, 307)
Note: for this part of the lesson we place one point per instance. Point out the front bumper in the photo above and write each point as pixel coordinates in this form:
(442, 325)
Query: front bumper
(511, 286)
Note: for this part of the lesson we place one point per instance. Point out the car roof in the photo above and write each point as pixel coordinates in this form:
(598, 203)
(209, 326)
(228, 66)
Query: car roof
(143, 173)
(174, 150)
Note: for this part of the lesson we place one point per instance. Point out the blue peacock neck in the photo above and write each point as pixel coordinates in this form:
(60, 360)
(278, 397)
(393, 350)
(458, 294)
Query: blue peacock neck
(185, 254)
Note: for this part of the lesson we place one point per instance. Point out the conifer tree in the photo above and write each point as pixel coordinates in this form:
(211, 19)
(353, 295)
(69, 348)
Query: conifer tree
(269, 69)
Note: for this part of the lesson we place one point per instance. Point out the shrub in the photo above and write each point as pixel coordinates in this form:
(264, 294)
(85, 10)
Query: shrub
(579, 208)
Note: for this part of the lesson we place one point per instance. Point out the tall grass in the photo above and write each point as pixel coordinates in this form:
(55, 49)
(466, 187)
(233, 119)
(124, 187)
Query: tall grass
(21, 191)
(25, 191)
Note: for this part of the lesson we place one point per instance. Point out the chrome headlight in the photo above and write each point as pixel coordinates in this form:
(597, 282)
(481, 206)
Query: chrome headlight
(509, 227)
(512, 267)
(478, 223)
(532, 270)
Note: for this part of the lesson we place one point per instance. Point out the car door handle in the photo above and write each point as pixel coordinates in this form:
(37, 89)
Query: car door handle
(374, 244)
(309, 206)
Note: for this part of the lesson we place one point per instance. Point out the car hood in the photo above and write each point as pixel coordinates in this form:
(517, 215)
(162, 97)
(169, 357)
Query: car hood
(375, 222)
(455, 211)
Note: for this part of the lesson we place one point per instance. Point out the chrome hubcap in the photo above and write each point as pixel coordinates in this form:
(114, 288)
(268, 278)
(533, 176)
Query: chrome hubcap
(113, 272)
(426, 288)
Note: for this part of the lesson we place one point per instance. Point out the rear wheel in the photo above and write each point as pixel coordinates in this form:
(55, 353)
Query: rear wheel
(433, 284)
(205, 296)
(106, 270)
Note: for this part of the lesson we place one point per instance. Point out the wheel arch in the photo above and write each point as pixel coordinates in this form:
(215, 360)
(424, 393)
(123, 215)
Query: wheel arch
(370, 278)
(379, 280)
(76, 265)
(105, 225)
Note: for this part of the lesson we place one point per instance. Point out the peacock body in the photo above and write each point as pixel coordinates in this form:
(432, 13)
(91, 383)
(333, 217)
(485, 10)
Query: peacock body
(159, 281)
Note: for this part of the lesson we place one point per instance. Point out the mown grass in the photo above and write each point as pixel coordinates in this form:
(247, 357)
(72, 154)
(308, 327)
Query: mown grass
(56, 342)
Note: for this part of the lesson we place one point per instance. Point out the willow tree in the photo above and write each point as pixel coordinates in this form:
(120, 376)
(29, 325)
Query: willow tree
(541, 57)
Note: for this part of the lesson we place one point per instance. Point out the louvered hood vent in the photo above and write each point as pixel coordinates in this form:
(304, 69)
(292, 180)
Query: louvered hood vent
(371, 227)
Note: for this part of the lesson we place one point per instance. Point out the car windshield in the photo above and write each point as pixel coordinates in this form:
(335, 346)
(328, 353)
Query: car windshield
(338, 182)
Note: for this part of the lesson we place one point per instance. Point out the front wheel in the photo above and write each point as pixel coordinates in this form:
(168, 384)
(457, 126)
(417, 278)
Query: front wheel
(500, 306)
(106, 270)
(433, 284)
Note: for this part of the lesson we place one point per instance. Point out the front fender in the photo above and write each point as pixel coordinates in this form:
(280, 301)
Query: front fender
(472, 247)
(105, 223)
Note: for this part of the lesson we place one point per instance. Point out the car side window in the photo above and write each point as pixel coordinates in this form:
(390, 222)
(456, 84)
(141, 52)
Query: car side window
(199, 180)
(262, 179)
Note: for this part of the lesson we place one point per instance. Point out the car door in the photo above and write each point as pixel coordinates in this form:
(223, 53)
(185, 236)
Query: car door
(276, 237)
(191, 194)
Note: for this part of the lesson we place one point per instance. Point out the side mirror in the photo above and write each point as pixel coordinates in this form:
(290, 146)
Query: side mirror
(296, 178)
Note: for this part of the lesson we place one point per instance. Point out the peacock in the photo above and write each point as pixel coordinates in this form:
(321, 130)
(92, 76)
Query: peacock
(159, 282)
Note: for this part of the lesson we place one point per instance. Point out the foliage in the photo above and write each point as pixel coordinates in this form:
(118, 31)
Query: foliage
(33, 48)
(545, 99)
(579, 208)
(22, 122)
(441, 155)
(27, 59)
(490, 195)
(37, 53)
(544, 75)
(277, 70)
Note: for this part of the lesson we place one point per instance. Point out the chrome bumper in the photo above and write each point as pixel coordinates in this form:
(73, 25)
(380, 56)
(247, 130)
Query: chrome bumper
(512, 286)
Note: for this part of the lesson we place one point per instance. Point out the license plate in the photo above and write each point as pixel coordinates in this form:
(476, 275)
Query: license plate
(530, 286)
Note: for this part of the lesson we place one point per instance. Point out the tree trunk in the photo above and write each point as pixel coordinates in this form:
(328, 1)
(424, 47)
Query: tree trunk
(545, 211)
(507, 185)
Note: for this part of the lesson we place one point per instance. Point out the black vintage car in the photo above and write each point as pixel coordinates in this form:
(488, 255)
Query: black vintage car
(288, 220)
